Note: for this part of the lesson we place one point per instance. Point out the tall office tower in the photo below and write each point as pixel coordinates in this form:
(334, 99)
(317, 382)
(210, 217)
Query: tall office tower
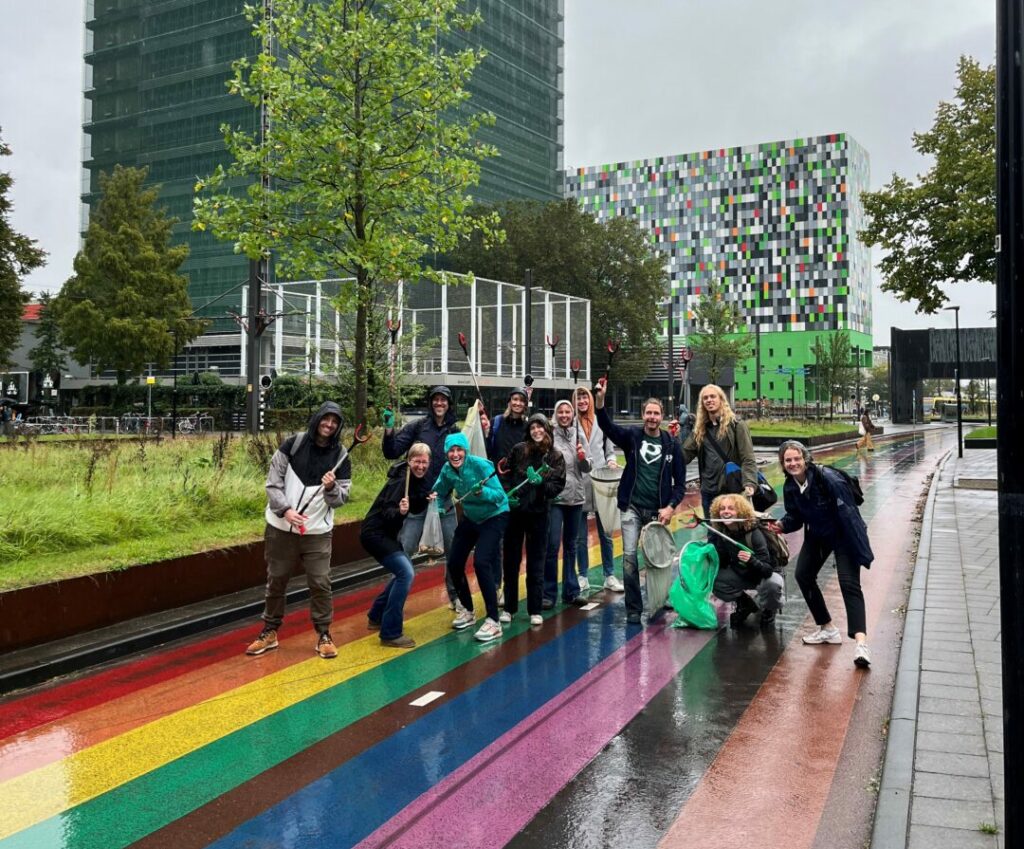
(155, 95)
(773, 224)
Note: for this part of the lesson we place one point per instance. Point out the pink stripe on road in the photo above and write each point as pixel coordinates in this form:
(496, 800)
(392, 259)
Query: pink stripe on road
(476, 794)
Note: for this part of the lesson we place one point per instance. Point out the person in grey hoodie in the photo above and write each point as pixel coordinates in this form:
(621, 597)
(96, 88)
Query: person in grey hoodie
(310, 475)
(566, 511)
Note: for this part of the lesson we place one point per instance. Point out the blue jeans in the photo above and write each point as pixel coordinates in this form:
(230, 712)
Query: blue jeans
(412, 530)
(583, 550)
(633, 521)
(387, 608)
(563, 530)
(485, 537)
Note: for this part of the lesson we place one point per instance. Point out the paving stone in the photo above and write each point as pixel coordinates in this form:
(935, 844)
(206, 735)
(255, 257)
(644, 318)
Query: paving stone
(956, 707)
(964, 744)
(939, 691)
(963, 814)
(952, 786)
(949, 724)
(951, 764)
(950, 678)
(930, 837)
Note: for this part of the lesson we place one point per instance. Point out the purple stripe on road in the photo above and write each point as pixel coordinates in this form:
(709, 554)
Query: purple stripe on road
(475, 806)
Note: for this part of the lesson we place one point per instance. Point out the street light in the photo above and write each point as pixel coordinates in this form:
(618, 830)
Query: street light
(959, 411)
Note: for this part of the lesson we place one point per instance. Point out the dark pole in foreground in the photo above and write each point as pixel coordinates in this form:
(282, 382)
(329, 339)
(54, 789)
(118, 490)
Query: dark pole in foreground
(671, 356)
(1010, 397)
(959, 368)
(757, 364)
(528, 332)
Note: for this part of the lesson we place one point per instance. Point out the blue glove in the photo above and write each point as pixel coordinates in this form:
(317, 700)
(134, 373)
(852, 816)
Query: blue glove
(388, 418)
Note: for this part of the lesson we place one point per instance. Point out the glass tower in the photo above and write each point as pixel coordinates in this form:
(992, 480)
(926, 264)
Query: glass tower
(155, 96)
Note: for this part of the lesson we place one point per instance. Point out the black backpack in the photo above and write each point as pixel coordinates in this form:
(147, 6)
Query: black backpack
(778, 548)
(852, 481)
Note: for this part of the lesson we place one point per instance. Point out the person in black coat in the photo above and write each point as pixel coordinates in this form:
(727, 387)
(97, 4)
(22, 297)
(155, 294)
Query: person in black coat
(819, 500)
(528, 519)
(379, 536)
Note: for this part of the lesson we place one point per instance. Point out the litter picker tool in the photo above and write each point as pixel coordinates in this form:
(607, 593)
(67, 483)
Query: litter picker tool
(393, 328)
(575, 367)
(472, 372)
(712, 529)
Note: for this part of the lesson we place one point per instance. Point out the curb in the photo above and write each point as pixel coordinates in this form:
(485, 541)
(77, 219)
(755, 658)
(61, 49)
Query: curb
(892, 812)
(75, 660)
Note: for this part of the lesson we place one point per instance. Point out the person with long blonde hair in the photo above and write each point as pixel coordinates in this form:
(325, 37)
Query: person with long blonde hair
(719, 439)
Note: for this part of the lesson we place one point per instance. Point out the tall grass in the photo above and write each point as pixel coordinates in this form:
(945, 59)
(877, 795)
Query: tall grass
(75, 508)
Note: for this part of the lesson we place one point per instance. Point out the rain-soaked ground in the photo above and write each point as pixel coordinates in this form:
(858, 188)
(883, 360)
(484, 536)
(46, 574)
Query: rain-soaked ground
(585, 732)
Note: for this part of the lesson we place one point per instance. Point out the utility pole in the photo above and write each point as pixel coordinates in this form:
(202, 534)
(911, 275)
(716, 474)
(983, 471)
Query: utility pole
(527, 342)
(671, 354)
(959, 366)
(757, 361)
(1010, 396)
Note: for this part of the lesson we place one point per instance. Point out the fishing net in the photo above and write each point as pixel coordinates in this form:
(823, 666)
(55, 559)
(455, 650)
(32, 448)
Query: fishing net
(659, 552)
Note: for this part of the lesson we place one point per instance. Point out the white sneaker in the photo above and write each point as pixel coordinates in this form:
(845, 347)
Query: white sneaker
(862, 657)
(614, 584)
(504, 617)
(584, 584)
(536, 619)
(490, 630)
(463, 619)
(823, 635)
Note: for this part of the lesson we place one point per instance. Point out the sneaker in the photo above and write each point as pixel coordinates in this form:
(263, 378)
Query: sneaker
(614, 584)
(490, 630)
(823, 635)
(536, 619)
(633, 619)
(372, 626)
(505, 617)
(266, 641)
(862, 657)
(745, 606)
(547, 604)
(584, 584)
(768, 618)
(399, 642)
(325, 646)
(463, 619)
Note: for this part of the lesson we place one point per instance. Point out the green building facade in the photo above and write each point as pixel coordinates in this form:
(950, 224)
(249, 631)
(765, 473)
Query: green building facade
(155, 96)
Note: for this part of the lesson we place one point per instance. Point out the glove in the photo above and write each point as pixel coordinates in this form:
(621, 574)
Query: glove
(513, 502)
(388, 418)
(533, 476)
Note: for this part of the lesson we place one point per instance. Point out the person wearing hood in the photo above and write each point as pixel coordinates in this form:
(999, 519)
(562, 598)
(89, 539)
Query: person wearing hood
(431, 430)
(508, 429)
(405, 491)
(566, 511)
(473, 482)
(528, 517)
(686, 421)
(310, 475)
(653, 485)
(600, 453)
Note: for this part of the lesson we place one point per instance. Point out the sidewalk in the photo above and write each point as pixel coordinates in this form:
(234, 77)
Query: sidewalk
(942, 784)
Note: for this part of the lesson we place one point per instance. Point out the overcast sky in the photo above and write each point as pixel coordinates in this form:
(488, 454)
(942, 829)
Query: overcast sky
(643, 78)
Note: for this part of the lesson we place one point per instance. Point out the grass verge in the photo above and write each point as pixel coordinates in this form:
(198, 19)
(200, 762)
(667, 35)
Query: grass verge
(982, 433)
(798, 428)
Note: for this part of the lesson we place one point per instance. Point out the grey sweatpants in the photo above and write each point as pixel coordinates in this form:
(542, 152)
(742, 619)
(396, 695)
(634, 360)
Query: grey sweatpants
(313, 551)
(730, 584)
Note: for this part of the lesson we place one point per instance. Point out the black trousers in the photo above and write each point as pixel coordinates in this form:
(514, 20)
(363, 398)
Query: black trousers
(812, 557)
(533, 529)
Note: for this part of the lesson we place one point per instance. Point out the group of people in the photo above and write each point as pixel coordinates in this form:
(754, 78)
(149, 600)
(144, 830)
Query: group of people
(528, 501)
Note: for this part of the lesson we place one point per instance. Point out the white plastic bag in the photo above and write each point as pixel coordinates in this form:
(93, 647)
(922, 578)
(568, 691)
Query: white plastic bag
(432, 540)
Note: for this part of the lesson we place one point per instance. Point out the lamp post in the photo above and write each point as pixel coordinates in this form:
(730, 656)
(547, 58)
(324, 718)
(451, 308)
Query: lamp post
(959, 411)
(671, 351)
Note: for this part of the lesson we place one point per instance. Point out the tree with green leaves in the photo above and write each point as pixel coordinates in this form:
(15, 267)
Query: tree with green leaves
(18, 256)
(834, 372)
(877, 383)
(126, 301)
(48, 355)
(611, 263)
(368, 152)
(942, 228)
(719, 338)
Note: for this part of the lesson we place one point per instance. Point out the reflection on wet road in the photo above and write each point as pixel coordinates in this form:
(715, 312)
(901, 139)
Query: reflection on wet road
(584, 732)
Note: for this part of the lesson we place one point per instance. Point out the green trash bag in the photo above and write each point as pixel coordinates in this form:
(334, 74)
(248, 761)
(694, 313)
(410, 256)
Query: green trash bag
(690, 594)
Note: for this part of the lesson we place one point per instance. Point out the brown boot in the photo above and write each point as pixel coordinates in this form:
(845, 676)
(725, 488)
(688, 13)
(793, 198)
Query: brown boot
(266, 641)
(325, 646)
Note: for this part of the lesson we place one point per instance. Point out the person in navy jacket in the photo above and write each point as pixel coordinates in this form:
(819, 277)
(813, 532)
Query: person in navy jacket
(652, 486)
(819, 500)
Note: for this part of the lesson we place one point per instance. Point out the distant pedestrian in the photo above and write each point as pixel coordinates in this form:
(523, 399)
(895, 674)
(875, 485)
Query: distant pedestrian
(866, 427)
(406, 491)
(310, 475)
(719, 438)
(819, 500)
(7, 421)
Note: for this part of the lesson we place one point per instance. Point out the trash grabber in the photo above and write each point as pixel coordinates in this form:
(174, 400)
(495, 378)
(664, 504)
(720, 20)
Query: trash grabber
(358, 438)
(613, 349)
(528, 383)
(408, 474)
(472, 373)
(711, 528)
(534, 476)
(393, 328)
(479, 485)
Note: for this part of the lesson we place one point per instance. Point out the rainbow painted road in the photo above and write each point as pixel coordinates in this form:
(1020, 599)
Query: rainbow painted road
(583, 732)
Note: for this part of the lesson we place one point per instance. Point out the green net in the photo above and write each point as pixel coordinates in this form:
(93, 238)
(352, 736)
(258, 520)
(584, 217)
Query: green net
(690, 594)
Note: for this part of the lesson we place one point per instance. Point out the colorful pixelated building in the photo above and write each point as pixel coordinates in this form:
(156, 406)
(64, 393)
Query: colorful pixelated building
(773, 224)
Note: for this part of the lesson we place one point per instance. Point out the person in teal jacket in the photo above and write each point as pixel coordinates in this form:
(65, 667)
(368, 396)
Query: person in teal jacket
(484, 516)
